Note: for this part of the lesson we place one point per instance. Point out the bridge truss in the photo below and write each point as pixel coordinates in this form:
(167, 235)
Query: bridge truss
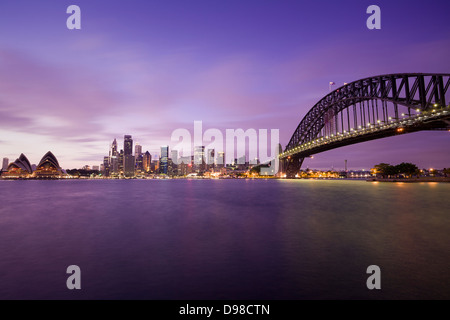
(368, 109)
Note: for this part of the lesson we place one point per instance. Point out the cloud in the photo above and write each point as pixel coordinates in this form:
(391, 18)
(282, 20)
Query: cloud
(105, 92)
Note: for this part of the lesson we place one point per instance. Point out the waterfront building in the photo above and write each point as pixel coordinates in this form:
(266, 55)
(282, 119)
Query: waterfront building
(48, 167)
(114, 159)
(5, 164)
(184, 166)
(155, 165)
(241, 163)
(120, 161)
(174, 156)
(139, 157)
(164, 160)
(114, 149)
(140, 163)
(114, 166)
(220, 161)
(147, 162)
(199, 159)
(106, 167)
(137, 150)
(21, 168)
(128, 165)
(210, 159)
(128, 145)
(128, 158)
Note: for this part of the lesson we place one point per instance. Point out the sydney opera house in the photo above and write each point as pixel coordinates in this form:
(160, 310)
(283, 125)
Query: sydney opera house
(48, 168)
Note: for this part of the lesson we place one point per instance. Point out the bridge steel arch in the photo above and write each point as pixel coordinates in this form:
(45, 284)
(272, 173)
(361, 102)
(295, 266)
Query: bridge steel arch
(368, 109)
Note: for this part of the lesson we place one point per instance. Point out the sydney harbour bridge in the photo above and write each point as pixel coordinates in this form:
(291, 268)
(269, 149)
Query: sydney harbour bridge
(368, 109)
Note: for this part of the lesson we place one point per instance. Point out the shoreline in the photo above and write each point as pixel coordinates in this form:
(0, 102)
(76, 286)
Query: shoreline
(406, 180)
(411, 180)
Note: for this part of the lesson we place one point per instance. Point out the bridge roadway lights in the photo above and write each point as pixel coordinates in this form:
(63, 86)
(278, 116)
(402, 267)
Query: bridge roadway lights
(293, 165)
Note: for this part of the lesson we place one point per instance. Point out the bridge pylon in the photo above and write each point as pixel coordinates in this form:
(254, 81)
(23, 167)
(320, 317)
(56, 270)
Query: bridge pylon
(293, 165)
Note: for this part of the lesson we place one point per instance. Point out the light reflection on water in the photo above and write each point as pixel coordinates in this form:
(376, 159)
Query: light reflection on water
(224, 239)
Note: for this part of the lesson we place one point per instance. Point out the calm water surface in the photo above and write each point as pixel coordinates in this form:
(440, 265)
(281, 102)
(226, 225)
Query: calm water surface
(224, 239)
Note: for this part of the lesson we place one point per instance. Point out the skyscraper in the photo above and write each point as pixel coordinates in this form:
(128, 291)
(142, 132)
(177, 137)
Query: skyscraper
(210, 159)
(106, 168)
(120, 161)
(174, 156)
(184, 166)
(127, 146)
(139, 158)
(137, 150)
(147, 162)
(164, 160)
(128, 158)
(5, 164)
(199, 158)
(114, 151)
(220, 162)
(114, 162)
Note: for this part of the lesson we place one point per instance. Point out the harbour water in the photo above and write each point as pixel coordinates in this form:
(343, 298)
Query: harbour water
(224, 239)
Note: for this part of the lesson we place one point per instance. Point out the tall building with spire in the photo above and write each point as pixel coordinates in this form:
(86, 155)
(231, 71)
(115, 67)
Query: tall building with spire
(114, 150)
(114, 155)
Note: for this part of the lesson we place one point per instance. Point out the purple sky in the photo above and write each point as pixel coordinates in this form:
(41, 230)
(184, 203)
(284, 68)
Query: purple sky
(146, 68)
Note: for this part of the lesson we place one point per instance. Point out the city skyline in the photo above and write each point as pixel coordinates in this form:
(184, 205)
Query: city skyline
(149, 69)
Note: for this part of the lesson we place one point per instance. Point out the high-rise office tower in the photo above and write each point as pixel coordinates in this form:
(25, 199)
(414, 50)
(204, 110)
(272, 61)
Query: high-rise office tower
(139, 157)
(155, 165)
(174, 156)
(5, 164)
(220, 162)
(128, 158)
(137, 150)
(128, 165)
(241, 162)
(120, 161)
(210, 159)
(128, 145)
(114, 150)
(147, 162)
(114, 161)
(199, 158)
(139, 163)
(106, 168)
(184, 166)
(164, 160)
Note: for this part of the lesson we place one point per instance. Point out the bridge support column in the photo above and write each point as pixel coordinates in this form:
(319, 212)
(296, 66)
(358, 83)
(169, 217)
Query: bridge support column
(293, 165)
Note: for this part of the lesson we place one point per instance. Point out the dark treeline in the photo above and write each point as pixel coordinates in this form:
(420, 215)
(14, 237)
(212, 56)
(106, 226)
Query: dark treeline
(82, 172)
(404, 169)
